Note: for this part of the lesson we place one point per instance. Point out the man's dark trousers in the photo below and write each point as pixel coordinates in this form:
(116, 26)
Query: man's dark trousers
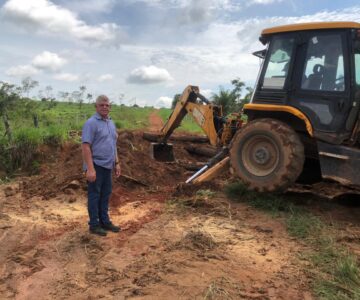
(99, 193)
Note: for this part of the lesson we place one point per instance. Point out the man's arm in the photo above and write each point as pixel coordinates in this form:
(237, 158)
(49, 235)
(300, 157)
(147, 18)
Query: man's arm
(117, 164)
(87, 156)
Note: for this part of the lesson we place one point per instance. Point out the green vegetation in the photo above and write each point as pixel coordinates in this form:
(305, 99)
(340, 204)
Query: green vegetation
(26, 124)
(335, 270)
(267, 202)
(164, 113)
(205, 194)
(188, 124)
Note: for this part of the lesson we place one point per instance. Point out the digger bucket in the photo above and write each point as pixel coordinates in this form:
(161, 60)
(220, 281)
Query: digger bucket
(162, 152)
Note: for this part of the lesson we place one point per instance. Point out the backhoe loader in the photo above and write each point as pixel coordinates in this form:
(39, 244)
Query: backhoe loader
(304, 112)
(218, 128)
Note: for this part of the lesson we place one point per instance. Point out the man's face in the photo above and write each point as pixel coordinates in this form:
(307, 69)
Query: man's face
(103, 108)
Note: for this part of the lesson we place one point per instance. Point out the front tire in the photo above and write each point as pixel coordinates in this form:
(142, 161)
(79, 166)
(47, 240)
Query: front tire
(267, 155)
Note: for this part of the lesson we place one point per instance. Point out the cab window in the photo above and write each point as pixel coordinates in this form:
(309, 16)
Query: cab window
(357, 68)
(277, 69)
(324, 64)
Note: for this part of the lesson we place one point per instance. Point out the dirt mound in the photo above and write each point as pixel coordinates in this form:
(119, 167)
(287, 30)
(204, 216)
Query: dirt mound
(62, 168)
(197, 240)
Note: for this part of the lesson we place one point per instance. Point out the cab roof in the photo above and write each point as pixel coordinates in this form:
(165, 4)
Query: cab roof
(309, 26)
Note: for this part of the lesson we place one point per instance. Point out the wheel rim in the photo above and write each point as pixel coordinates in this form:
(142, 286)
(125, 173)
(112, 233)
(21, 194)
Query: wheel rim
(260, 155)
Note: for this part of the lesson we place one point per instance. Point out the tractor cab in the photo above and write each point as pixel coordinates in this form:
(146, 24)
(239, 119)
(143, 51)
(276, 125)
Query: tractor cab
(310, 77)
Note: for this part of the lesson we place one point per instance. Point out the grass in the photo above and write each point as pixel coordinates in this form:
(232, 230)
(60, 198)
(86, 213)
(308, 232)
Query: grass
(72, 116)
(222, 288)
(267, 202)
(54, 122)
(188, 124)
(204, 194)
(301, 224)
(334, 268)
(214, 291)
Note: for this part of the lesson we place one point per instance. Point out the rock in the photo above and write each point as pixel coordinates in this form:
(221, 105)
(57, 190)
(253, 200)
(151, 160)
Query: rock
(75, 185)
(69, 191)
(10, 191)
(72, 199)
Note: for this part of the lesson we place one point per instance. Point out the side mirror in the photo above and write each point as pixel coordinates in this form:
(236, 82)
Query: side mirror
(261, 53)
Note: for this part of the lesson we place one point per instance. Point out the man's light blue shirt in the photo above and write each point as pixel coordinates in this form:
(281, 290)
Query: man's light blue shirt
(101, 135)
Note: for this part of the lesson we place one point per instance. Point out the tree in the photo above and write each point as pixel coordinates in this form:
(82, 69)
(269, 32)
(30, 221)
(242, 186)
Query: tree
(76, 95)
(41, 94)
(31, 107)
(247, 97)
(28, 84)
(89, 97)
(9, 94)
(121, 98)
(175, 100)
(64, 95)
(48, 92)
(227, 99)
(81, 94)
(238, 87)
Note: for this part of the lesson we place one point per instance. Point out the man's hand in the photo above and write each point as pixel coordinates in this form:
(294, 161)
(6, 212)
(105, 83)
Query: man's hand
(91, 175)
(117, 170)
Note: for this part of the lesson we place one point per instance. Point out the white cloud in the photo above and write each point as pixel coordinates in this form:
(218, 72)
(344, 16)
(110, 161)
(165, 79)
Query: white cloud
(195, 12)
(90, 6)
(105, 77)
(207, 93)
(148, 75)
(263, 1)
(163, 102)
(211, 4)
(47, 17)
(249, 30)
(22, 71)
(48, 61)
(66, 77)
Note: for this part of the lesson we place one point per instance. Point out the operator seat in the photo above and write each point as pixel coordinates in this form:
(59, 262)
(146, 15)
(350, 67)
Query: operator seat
(315, 79)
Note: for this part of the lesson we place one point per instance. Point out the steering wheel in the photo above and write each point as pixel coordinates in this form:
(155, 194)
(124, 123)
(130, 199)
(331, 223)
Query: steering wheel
(318, 69)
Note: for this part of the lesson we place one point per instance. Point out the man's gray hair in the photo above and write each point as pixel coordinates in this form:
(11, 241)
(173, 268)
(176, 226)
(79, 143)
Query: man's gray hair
(102, 98)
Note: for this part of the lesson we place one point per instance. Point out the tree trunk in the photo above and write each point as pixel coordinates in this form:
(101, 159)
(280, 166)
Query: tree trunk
(207, 151)
(36, 120)
(156, 137)
(7, 125)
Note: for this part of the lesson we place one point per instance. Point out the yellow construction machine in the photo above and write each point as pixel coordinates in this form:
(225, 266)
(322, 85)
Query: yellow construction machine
(304, 112)
(218, 128)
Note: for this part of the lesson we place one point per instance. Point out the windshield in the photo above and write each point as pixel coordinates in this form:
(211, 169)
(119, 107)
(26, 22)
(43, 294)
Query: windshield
(281, 49)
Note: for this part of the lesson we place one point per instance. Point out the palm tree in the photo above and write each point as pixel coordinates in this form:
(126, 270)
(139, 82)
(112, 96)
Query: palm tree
(227, 99)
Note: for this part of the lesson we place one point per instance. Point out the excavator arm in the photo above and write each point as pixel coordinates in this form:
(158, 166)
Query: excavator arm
(208, 116)
(205, 114)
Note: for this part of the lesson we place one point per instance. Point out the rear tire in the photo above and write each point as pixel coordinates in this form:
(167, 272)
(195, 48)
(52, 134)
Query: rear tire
(267, 155)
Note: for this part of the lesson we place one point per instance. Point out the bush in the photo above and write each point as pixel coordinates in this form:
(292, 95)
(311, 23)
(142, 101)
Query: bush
(55, 135)
(118, 124)
(24, 146)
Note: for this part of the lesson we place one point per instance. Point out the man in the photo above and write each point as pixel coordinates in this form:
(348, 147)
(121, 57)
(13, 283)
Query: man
(100, 158)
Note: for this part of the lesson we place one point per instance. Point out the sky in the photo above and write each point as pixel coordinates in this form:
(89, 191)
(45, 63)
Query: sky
(145, 51)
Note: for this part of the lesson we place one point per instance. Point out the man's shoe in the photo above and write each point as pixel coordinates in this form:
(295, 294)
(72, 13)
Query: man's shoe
(98, 230)
(111, 227)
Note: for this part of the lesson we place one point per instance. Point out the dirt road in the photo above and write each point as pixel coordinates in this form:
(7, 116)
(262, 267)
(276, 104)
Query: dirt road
(173, 245)
(156, 123)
